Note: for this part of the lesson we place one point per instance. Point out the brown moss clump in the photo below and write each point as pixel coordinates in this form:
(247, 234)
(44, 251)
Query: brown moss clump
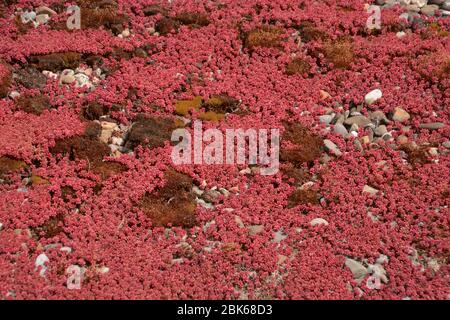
(33, 104)
(182, 107)
(88, 148)
(68, 193)
(93, 130)
(101, 13)
(151, 132)
(443, 71)
(10, 164)
(93, 60)
(49, 229)
(435, 28)
(172, 205)
(193, 19)
(305, 196)
(165, 26)
(217, 106)
(221, 104)
(211, 116)
(298, 66)
(5, 82)
(22, 28)
(434, 65)
(229, 247)
(107, 17)
(108, 169)
(416, 154)
(97, 4)
(339, 53)
(297, 175)
(56, 61)
(94, 110)
(30, 78)
(154, 9)
(307, 145)
(267, 37)
(38, 180)
(309, 32)
(81, 148)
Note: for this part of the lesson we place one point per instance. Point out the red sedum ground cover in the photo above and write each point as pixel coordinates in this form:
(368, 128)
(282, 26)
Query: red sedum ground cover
(86, 177)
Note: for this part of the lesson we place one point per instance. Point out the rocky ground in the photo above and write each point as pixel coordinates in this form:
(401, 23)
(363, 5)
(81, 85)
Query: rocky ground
(359, 209)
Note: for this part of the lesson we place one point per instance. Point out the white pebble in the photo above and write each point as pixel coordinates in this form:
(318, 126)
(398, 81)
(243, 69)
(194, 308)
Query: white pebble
(126, 33)
(318, 221)
(50, 74)
(103, 269)
(14, 94)
(279, 236)
(382, 259)
(117, 141)
(41, 260)
(82, 80)
(66, 249)
(42, 18)
(373, 96)
(67, 76)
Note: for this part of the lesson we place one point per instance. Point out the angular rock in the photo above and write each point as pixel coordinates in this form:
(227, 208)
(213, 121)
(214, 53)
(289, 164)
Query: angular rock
(368, 189)
(340, 129)
(432, 125)
(357, 269)
(400, 115)
(361, 121)
(326, 118)
(429, 10)
(380, 130)
(379, 116)
(332, 147)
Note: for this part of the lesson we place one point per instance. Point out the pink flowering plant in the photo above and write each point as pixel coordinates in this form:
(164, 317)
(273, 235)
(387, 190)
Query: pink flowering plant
(270, 149)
